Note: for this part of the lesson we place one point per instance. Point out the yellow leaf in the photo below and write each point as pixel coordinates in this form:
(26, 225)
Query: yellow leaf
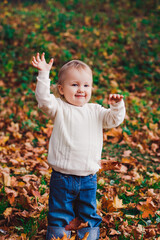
(118, 203)
(105, 54)
(23, 236)
(6, 179)
(64, 237)
(147, 208)
(73, 237)
(7, 212)
(96, 32)
(114, 84)
(153, 126)
(87, 20)
(3, 140)
(85, 236)
(112, 75)
(99, 204)
(134, 122)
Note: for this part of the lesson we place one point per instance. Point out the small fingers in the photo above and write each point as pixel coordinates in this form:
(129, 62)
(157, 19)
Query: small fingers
(42, 57)
(34, 64)
(113, 98)
(117, 96)
(34, 60)
(51, 61)
(38, 58)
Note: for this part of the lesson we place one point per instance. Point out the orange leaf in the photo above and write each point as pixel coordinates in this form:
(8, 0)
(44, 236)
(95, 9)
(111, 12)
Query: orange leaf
(114, 135)
(147, 208)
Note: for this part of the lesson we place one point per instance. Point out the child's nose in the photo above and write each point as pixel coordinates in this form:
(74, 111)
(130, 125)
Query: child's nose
(81, 89)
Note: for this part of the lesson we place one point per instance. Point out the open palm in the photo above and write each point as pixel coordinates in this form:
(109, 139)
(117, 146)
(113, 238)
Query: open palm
(40, 63)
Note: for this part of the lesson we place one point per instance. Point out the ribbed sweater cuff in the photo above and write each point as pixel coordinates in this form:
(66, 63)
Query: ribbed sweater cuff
(43, 74)
(117, 105)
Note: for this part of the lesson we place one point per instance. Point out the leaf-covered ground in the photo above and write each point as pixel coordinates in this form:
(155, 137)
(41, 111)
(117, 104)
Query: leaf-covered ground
(119, 40)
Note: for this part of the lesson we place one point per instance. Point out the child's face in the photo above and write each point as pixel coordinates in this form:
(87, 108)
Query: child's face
(77, 87)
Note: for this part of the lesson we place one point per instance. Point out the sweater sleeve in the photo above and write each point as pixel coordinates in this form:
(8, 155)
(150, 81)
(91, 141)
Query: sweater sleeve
(113, 116)
(46, 102)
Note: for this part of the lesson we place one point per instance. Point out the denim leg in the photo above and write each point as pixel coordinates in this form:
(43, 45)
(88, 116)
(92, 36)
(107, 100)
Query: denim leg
(94, 233)
(56, 232)
(60, 205)
(66, 192)
(86, 205)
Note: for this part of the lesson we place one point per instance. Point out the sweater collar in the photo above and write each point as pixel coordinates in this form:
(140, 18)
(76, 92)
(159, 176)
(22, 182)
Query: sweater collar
(71, 105)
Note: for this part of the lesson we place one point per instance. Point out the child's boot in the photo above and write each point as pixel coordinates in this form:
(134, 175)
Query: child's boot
(94, 233)
(53, 231)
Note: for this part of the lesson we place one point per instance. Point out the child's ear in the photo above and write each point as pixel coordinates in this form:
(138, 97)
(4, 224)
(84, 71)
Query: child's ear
(60, 88)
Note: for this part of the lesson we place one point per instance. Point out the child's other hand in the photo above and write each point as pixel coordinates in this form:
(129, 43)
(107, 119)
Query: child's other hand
(41, 63)
(114, 98)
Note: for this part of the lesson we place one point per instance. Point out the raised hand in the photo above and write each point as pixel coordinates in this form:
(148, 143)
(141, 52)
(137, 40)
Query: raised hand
(41, 63)
(114, 98)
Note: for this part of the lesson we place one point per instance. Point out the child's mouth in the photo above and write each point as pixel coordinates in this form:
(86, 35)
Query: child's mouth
(79, 96)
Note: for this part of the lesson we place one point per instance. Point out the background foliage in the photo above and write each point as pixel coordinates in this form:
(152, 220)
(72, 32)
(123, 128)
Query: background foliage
(119, 40)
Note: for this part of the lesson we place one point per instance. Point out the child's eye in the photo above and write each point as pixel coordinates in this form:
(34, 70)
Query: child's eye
(75, 84)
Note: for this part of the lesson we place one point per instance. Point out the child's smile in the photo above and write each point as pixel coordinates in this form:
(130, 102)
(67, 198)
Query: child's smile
(77, 87)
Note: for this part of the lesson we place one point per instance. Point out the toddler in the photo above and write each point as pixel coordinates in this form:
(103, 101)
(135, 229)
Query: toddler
(75, 144)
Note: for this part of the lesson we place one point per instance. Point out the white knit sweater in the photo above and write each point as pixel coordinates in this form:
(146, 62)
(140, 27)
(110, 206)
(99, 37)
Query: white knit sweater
(76, 141)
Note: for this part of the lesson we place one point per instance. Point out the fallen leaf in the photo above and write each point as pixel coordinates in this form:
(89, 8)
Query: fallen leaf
(76, 224)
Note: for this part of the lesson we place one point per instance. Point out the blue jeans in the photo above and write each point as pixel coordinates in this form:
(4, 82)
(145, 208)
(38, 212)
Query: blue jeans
(72, 196)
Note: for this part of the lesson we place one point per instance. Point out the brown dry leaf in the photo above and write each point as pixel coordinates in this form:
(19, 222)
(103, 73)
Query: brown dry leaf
(107, 203)
(152, 136)
(153, 126)
(107, 164)
(126, 153)
(14, 127)
(154, 147)
(25, 201)
(113, 232)
(129, 160)
(118, 203)
(48, 130)
(23, 236)
(3, 140)
(7, 212)
(112, 165)
(114, 135)
(76, 224)
(24, 213)
(127, 138)
(122, 169)
(150, 233)
(113, 84)
(147, 208)
(127, 177)
(30, 135)
(11, 195)
(17, 135)
(26, 178)
(6, 179)
(109, 220)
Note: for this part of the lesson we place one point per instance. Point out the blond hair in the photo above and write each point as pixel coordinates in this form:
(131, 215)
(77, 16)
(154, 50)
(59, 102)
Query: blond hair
(77, 64)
